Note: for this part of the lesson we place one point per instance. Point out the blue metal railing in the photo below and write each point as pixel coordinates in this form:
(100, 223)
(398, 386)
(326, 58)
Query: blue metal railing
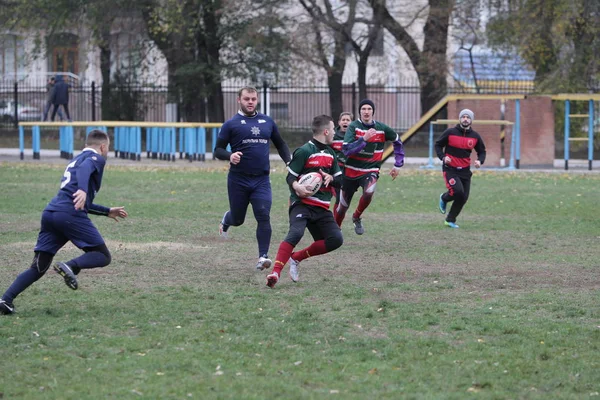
(161, 138)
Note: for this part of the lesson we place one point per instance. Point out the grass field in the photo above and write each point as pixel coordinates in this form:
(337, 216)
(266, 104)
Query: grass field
(506, 307)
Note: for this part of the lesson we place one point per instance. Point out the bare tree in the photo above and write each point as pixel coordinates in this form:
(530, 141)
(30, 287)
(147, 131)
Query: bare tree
(466, 31)
(331, 30)
(430, 63)
(374, 33)
(206, 41)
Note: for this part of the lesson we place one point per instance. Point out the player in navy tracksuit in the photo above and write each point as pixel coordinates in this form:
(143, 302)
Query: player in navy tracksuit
(248, 133)
(454, 148)
(66, 219)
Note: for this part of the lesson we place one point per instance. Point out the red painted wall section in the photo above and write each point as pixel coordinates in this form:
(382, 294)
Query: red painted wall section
(537, 128)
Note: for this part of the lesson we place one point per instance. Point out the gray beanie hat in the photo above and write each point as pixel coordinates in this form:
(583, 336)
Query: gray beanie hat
(468, 112)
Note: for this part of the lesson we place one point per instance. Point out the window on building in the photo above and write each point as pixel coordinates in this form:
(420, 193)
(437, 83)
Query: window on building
(63, 50)
(12, 55)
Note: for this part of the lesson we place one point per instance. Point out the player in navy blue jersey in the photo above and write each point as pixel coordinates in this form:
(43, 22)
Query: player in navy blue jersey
(249, 134)
(66, 219)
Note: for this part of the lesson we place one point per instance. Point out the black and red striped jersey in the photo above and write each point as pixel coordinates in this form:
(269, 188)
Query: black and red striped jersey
(458, 143)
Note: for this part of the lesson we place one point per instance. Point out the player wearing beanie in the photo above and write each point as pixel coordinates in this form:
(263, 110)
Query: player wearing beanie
(363, 147)
(454, 148)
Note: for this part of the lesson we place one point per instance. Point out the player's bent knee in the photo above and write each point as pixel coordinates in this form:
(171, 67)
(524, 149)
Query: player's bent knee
(41, 261)
(333, 242)
(370, 189)
(262, 217)
(104, 258)
(108, 259)
(294, 236)
(459, 196)
(368, 195)
(238, 222)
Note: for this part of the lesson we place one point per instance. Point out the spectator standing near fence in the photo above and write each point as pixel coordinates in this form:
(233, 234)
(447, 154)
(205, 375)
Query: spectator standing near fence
(454, 148)
(49, 94)
(249, 134)
(363, 146)
(66, 219)
(309, 210)
(60, 97)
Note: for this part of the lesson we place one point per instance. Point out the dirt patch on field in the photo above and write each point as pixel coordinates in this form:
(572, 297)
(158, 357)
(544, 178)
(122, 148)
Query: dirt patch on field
(150, 246)
(18, 227)
(431, 261)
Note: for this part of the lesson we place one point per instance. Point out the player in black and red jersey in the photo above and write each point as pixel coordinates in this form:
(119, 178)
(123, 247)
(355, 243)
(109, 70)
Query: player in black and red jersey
(454, 148)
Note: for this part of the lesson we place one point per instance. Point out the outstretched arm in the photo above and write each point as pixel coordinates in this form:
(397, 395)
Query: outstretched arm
(355, 147)
(116, 212)
(112, 212)
(398, 153)
(398, 158)
(97, 209)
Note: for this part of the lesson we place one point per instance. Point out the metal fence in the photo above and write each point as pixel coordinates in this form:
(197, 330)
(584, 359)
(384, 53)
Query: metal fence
(292, 107)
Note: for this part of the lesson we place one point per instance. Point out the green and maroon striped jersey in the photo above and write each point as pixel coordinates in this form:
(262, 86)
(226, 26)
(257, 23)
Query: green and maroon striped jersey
(338, 141)
(370, 158)
(312, 157)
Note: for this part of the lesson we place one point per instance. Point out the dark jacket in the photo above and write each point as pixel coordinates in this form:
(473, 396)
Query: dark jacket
(50, 91)
(458, 143)
(60, 93)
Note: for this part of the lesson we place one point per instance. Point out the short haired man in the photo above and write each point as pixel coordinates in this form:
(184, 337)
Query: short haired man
(310, 210)
(65, 219)
(249, 133)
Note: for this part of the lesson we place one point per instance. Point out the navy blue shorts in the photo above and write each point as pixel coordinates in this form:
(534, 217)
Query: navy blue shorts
(59, 227)
(244, 190)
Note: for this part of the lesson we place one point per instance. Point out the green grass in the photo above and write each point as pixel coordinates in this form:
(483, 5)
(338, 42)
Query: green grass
(506, 307)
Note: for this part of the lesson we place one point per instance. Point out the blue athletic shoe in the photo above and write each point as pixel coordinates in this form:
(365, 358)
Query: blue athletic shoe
(451, 225)
(442, 205)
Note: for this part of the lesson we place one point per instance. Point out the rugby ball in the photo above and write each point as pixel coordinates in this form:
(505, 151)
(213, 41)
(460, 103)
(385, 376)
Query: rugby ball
(313, 179)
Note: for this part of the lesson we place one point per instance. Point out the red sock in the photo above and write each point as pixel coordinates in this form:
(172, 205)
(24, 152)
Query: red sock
(283, 255)
(314, 249)
(363, 203)
(339, 216)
